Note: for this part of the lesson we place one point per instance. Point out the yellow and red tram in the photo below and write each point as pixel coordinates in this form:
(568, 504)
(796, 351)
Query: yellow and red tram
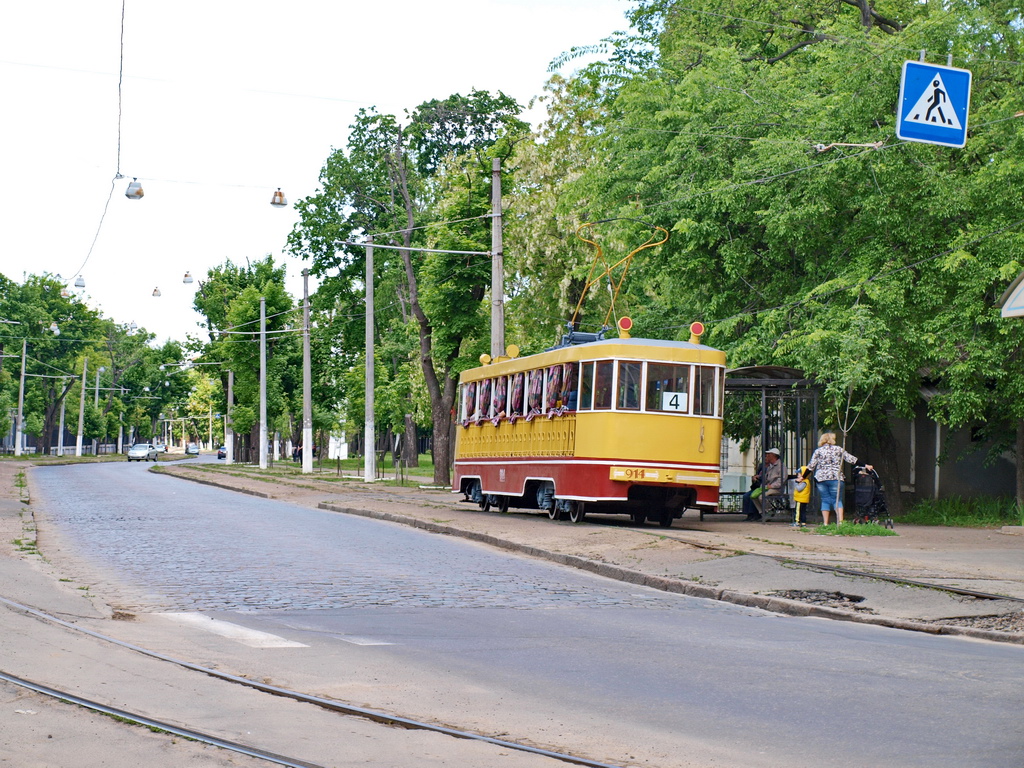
(618, 425)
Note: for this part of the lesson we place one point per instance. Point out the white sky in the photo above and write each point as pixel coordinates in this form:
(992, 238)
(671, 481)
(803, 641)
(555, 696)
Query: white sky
(224, 101)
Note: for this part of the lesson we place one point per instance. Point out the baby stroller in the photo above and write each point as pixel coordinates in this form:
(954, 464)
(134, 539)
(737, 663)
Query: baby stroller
(869, 498)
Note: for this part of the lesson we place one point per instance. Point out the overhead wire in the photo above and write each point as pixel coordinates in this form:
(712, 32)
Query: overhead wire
(117, 173)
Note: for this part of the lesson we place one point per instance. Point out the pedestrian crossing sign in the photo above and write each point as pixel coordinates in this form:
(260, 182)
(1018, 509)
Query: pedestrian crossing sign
(1012, 302)
(933, 104)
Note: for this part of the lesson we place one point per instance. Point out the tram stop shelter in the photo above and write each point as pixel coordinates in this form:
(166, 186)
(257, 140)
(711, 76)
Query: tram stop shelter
(785, 402)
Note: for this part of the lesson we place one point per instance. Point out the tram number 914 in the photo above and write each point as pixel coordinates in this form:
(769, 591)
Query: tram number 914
(635, 474)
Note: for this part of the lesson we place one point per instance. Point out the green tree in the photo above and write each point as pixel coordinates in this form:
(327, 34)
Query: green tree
(229, 298)
(395, 180)
(59, 331)
(803, 232)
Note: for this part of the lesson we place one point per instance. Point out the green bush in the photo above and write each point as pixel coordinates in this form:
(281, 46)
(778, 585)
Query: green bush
(975, 512)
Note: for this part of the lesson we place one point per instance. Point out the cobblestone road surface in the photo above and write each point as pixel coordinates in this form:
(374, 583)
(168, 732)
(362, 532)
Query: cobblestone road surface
(182, 546)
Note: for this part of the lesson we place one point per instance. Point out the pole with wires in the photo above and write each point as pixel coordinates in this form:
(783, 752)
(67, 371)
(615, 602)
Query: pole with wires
(263, 382)
(229, 431)
(497, 265)
(81, 408)
(60, 429)
(19, 432)
(369, 428)
(307, 386)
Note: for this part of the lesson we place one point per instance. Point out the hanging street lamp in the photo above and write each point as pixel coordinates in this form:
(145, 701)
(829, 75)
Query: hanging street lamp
(134, 191)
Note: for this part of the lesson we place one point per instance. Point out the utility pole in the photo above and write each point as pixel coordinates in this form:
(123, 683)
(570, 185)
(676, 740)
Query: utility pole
(19, 432)
(307, 386)
(497, 266)
(263, 382)
(229, 432)
(369, 428)
(60, 429)
(81, 408)
(96, 404)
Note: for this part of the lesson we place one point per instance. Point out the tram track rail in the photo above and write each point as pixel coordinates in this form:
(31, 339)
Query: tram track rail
(331, 705)
(155, 724)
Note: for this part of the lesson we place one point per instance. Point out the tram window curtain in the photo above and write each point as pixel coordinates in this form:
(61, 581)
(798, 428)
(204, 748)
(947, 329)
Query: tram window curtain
(485, 399)
(536, 390)
(629, 386)
(518, 401)
(568, 394)
(553, 388)
(468, 400)
(500, 394)
(668, 387)
(704, 390)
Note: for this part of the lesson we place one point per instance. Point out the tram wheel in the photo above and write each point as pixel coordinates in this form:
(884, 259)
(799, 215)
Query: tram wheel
(554, 513)
(487, 501)
(639, 518)
(503, 504)
(577, 512)
(665, 521)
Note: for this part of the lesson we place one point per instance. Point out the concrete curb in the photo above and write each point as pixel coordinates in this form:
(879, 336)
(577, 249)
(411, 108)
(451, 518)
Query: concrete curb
(204, 481)
(692, 589)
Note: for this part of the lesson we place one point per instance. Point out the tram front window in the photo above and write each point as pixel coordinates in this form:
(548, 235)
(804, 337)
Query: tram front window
(629, 386)
(603, 385)
(668, 387)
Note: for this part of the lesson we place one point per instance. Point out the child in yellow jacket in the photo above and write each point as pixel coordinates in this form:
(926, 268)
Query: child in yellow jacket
(801, 496)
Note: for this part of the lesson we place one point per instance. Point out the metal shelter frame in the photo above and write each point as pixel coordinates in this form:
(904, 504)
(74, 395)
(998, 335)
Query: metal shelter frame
(789, 410)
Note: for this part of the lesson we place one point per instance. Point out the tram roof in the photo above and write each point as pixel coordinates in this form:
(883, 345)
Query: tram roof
(631, 348)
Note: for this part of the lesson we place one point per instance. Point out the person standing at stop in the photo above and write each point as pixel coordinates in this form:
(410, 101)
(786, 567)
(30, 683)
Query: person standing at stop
(827, 465)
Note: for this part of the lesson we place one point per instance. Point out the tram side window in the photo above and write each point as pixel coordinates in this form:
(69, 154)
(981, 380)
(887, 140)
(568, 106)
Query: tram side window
(668, 387)
(587, 387)
(569, 393)
(536, 391)
(500, 396)
(603, 385)
(629, 386)
(704, 390)
(485, 399)
(518, 390)
(554, 387)
(468, 400)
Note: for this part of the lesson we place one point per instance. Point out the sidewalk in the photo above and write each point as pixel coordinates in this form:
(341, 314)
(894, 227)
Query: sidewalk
(769, 566)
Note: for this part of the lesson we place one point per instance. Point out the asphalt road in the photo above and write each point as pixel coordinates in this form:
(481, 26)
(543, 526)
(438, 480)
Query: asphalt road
(441, 628)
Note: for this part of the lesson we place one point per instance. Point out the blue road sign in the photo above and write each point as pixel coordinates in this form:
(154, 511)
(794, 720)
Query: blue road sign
(933, 105)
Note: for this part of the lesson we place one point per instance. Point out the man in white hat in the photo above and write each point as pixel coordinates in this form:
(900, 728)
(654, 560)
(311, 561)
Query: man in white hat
(772, 477)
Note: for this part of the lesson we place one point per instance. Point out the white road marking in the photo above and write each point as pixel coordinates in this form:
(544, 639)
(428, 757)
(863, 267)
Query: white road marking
(360, 640)
(251, 637)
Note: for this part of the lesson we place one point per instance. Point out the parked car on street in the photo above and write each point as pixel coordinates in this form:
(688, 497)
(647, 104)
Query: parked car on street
(142, 452)
(222, 452)
(161, 447)
(191, 449)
